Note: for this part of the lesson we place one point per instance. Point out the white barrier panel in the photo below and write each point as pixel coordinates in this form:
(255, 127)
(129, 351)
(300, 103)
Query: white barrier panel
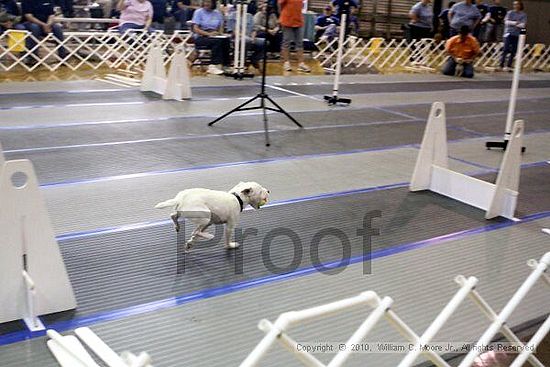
(177, 86)
(431, 171)
(33, 278)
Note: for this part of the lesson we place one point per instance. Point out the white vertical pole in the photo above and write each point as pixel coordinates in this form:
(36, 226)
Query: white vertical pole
(341, 36)
(242, 49)
(236, 32)
(515, 83)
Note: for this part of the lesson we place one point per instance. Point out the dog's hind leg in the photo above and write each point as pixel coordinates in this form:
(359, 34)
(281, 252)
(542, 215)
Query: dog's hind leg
(202, 224)
(175, 216)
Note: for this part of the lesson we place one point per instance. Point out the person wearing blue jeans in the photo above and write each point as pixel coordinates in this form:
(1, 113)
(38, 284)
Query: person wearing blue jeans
(514, 22)
(40, 22)
(462, 50)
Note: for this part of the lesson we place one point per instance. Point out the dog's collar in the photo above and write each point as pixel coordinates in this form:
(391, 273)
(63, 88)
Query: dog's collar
(239, 200)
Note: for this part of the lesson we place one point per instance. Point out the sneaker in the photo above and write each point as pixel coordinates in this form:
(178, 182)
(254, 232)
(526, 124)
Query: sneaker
(304, 68)
(506, 68)
(287, 66)
(213, 69)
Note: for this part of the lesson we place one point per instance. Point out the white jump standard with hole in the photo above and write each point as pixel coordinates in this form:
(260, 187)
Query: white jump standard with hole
(33, 278)
(177, 85)
(432, 173)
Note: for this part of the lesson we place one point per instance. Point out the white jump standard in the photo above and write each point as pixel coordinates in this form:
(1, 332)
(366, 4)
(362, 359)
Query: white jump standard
(513, 97)
(432, 173)
(334, 99)
(33, 278)
(177, 85)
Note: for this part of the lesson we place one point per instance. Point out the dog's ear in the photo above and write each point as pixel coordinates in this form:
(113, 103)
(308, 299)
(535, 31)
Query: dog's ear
(246, 191)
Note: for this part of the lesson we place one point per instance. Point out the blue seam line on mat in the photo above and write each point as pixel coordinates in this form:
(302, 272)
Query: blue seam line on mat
(127, 227)
(187, 116)
(235, 287)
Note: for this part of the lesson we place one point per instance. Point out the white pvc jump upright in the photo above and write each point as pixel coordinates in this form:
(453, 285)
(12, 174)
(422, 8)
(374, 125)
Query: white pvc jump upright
(432, 173)
(33, 278)
(177, 85)
(154, 75)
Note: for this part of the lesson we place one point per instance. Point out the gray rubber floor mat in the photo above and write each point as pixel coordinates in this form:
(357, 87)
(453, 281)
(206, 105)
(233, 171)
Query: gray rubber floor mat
(413, 86)
(183, 126)
(175, 337)
(477, 108)
(116, 270)
(130, 95)
(101, 161)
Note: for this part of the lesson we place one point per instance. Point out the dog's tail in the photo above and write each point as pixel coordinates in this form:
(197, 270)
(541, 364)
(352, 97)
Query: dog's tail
(166, 204)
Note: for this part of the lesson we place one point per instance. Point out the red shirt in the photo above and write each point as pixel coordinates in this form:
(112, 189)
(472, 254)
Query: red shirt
(291, 13)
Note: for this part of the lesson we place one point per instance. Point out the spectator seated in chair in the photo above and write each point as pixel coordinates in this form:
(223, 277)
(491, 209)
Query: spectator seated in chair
(159, 13)
(253, 43)
(183, 11)
(208, 33)
(10, 16)
(462, 50)
(135, 14)
(39, 15)
(273, 33)
(326, 25)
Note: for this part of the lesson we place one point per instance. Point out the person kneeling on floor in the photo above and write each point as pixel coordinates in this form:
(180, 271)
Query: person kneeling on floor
(462, 50)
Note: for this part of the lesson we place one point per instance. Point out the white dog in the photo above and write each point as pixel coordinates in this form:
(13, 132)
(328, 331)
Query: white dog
(205, 207)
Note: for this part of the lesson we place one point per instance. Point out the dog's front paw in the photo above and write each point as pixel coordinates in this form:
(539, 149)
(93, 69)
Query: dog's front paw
(177, 226)
(188, 246)
(232, 245)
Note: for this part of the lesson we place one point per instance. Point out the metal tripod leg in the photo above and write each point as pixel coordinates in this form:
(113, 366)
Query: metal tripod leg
(236, 109)
(280, 109)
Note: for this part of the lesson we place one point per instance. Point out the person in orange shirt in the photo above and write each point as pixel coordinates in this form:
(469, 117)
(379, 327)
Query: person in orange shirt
(292, 24)
(462, 49)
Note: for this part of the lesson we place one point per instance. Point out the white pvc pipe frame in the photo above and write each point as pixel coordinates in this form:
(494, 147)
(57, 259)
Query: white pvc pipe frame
(381, 307)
